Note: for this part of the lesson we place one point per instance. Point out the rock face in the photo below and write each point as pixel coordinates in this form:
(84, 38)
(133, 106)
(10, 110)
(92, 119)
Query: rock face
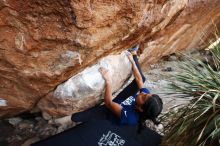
(44, 43)
(85, 89)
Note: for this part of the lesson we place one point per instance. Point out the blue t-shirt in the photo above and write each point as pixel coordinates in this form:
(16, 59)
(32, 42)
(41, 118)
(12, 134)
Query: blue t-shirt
(128, 113)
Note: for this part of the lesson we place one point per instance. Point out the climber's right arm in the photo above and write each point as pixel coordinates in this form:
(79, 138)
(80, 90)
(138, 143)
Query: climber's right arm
(113, 106)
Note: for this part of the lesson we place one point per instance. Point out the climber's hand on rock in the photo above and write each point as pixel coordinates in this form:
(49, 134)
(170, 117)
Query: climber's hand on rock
(105, 74)
(130, 56)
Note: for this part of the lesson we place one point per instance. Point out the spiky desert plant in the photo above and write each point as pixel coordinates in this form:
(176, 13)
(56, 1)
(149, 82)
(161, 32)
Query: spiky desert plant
(199, 122)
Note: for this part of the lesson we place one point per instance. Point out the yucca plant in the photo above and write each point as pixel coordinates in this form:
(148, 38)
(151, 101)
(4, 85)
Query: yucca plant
(197, 124)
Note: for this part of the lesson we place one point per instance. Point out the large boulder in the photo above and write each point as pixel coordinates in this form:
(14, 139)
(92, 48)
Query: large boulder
(44, 43)
(85, 89)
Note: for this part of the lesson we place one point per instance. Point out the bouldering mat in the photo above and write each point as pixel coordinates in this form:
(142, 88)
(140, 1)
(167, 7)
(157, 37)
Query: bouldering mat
(102, 133)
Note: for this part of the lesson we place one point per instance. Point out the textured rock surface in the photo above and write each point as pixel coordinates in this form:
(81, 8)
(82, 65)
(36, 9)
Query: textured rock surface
(43, 43)
(85, 89)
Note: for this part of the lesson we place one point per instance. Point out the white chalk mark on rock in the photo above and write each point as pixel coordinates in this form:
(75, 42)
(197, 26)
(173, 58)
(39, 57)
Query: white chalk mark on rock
(3, 102)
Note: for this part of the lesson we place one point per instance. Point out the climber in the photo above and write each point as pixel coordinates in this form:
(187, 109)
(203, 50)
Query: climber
(101, 124)
(130, 107)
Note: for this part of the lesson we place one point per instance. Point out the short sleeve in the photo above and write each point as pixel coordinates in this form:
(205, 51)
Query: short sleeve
(145, 90)
(128, 116)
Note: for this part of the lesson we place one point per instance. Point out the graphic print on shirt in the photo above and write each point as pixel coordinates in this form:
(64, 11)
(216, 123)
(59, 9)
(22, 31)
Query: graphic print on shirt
(111, 139)
(125, 113)
(128, 101)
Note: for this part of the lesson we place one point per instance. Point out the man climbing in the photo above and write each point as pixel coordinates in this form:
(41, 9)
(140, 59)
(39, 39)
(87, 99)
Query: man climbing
(131, 107)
